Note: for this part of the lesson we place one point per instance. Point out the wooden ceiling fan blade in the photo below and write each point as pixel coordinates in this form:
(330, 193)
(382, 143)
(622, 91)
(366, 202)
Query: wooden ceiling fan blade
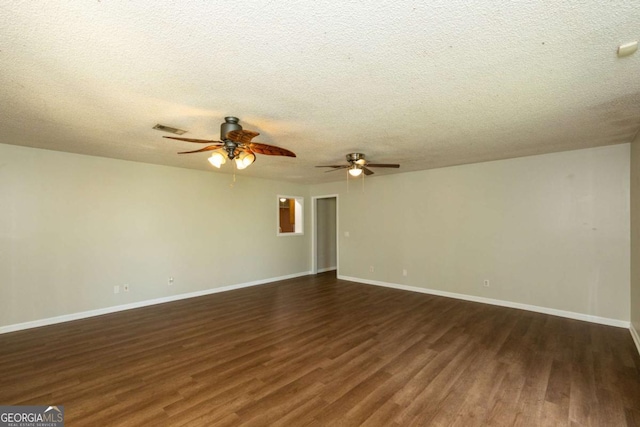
(208, 148)
(383, 165)
(270, 150)
(334, 166)
(242, 136)
(197, 141)
(367, 171)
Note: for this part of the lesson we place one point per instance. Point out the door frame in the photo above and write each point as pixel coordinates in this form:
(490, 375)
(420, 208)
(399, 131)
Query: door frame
(314, 231)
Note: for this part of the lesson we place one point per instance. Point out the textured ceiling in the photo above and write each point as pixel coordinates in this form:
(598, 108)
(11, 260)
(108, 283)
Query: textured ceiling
(423, 84)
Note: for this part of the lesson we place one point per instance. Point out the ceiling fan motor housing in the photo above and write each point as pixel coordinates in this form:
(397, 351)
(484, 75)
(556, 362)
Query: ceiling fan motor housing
(357, 158)
(230, 124)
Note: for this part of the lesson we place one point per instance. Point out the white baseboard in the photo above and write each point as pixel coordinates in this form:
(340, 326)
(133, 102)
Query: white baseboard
(322, 270)
(535, 308)
(635, 336)
(114, 309)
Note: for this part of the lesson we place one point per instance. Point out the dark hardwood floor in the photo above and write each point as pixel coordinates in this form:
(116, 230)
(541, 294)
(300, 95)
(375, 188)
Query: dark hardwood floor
(322, 352)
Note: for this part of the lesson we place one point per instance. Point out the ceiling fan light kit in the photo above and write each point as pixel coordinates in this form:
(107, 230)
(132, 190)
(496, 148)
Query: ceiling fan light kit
(235, 144)
(218, 159)
(355, 170)
(244, 159)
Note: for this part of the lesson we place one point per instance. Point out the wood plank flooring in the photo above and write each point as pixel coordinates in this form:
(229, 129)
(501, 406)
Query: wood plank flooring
(317, 351)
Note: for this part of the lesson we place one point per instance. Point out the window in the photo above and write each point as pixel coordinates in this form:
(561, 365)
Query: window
(290, 214)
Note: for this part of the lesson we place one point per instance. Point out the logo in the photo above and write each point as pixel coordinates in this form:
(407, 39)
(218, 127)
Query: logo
(31, 416)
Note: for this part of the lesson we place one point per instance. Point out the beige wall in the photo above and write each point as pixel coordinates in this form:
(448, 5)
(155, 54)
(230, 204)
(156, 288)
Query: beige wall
(635, 235)
(549, 231)
(73, 226)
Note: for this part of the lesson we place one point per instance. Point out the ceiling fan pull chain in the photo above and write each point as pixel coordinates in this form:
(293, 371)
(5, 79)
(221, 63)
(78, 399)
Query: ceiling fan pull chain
(347, 181)
(234, 175)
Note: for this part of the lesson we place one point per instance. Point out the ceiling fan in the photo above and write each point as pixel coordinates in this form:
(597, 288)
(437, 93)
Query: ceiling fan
(235, 144)
(358, 164)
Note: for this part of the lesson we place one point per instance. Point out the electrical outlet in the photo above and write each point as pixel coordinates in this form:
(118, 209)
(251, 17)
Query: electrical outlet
(125, 288)
(170, 282)
(116, 289)
(371, 268)
(486, 283)
(404, 272)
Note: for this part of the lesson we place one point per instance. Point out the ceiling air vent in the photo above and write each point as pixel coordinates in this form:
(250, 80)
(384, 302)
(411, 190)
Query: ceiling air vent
(169, 129)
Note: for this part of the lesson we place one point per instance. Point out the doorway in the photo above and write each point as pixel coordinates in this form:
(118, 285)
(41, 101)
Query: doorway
(324, 223)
